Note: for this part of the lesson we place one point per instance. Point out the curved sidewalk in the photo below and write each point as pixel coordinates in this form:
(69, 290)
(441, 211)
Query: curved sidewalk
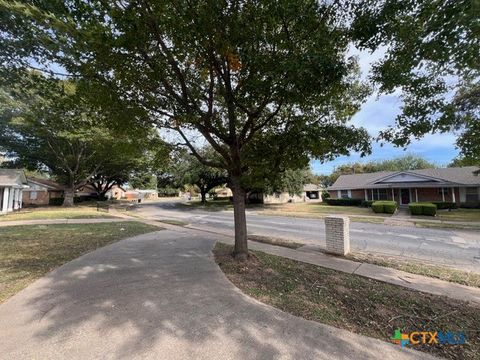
(161, 296)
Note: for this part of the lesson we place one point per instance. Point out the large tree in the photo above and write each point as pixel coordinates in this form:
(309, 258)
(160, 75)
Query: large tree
(252, 78)
(46, 125)
(430, 56)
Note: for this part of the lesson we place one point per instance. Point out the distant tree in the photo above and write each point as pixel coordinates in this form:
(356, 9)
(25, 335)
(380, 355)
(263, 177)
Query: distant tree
(464, 161)
(143, 180)
(189, 170)
(402, 163)
(133, 158)
(407, 162)
(291, 181)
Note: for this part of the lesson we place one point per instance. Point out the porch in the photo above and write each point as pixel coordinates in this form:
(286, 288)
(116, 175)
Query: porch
(404, 195)
(10, 198)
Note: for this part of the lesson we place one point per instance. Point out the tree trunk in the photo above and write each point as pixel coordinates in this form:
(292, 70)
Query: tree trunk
(204, 196)
(241, 246)
(68, 197)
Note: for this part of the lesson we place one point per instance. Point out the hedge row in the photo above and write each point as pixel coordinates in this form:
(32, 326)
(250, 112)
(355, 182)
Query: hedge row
(441, 205)
(386, 207)
(425, 208)
(344, 202)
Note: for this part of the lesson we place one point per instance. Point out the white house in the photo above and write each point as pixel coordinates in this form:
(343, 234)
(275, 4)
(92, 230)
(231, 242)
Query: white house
(12, 183)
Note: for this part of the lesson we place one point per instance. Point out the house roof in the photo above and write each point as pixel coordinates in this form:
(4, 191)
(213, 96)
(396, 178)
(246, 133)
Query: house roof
(12, 177)
(50, 184)
(311, 187)
(442, 176)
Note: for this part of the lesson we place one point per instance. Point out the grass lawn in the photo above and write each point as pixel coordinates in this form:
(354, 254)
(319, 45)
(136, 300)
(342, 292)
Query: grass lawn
(29, 252)
(55, 212)
(414, 267)
(319, 209)
(352, 302)
(459, 215)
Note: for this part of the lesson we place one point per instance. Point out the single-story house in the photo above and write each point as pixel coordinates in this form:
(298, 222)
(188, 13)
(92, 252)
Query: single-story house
(148, 194)
(40, 191)
(12, 184)
(311, 192)
(116, 192)
(458, 185)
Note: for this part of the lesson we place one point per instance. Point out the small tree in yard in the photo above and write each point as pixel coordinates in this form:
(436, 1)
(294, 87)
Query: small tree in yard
(263, 83)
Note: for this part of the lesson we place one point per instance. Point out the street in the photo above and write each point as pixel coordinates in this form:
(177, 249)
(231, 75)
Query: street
(457, 248)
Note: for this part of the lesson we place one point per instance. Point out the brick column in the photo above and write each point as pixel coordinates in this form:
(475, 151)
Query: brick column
(337, 234)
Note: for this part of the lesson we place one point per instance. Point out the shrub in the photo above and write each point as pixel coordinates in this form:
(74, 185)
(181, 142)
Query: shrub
(470, 205)
(366, 203)
(425, 208)
(325, 195)
(390, 207)
(377, 207)
(415, 208)
(429, 209)
(344, 202)
(387, 207)
(441, 205)
(55, 201)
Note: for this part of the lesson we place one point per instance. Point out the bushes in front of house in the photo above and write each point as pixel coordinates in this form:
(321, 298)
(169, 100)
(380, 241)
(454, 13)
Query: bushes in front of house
(423, 208)
(367, 203)
(344, 202)
(55, 201)
(443, 205)
(384, 206)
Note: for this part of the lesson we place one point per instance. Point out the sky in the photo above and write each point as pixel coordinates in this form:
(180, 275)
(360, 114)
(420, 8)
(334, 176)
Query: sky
(378, 113)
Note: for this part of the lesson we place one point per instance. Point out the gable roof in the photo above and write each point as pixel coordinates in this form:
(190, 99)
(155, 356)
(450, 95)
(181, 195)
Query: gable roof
(50, 184)
(311, 187)
(441, 176)
(12, 177)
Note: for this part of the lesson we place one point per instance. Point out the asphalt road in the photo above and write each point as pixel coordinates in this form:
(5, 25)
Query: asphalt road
(460, 249)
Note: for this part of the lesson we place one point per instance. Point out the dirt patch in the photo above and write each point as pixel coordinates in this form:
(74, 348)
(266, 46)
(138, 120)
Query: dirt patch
(352, 302)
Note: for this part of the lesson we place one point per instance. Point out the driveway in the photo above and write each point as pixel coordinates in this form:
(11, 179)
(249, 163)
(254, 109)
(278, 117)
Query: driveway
(457, 248)
(161, 296)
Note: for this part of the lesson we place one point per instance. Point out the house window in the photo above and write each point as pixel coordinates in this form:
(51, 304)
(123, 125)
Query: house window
(471, 194)
(379, 194)
(382, 194)
(445, 191)
(33, 195)
(344, 194)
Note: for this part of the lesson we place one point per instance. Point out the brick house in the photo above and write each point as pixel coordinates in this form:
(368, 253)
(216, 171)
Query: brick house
(40, 191)
(459, 185)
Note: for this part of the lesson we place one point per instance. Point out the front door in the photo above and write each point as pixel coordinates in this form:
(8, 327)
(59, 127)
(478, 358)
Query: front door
(404, 196)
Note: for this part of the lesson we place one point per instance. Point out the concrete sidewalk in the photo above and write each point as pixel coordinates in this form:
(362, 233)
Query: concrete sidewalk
(161, 295)
(311, 255)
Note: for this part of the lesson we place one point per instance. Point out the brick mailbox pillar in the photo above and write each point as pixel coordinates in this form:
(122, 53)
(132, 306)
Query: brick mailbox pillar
(337, 234)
